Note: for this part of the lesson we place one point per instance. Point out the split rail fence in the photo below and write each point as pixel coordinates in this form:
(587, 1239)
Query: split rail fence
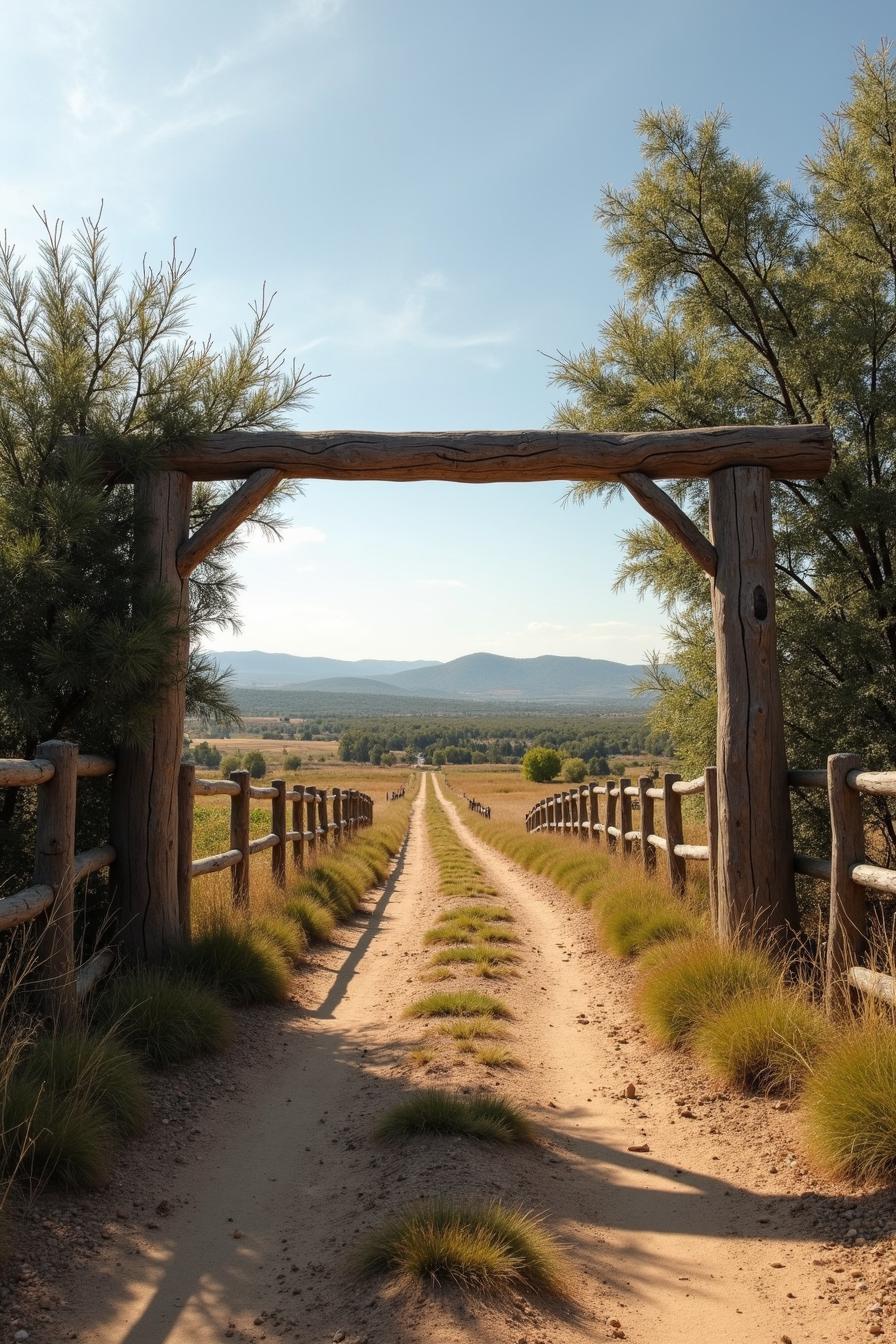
(846, 870)
(318, 817)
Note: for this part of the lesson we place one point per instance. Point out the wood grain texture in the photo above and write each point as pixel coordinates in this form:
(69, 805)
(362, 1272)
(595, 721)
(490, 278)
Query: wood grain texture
(646, 810)
(144, 792)
(794, 452)
(54, 854)
(662, 507)
(226, 519)
(847, 919)
(711, 799)
(755, 882)
(240, 810)
(674, 834)
(625, 814)
(24, 906)
(278, 826)
(186, 806)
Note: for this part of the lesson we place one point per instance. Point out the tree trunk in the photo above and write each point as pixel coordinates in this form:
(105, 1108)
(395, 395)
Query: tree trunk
(144, 816)
(755, 879)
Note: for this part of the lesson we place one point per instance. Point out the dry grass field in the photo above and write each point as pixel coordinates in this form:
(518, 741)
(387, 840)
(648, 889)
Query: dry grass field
(274, 749)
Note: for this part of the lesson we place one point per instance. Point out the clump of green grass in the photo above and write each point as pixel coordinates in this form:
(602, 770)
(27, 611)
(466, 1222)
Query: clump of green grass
(449, 933)
(492, 933)
(98, 1069)
(315, 920)
(481, 1248)
(421, 1055)
(763, 1043)
(48, 1136)
(285, 933)
(475, 955)
(238, 961)
(488, 914)
(687, 981)
(497, 1057)
(634, 916)
(458, 1003)
(436, 1111)
(471, 1028)
(165, 1018)
(849, 1104)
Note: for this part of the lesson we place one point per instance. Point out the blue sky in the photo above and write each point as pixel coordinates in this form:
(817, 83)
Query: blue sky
(417, 180)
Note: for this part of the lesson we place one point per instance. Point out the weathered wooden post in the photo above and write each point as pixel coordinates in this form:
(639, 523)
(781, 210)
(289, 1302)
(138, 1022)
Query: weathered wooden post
(595, 813)
(645, 807)
(847, 923)
(298, 825)
(676, 865)
(323, 820)
(611, 815)
(755, 877)
(144, 786)
(240, 808)
(337, 815)
(711, 796)
(278, 826)
(54, 857)
(185, 809)
(625, 814)
(311, 827)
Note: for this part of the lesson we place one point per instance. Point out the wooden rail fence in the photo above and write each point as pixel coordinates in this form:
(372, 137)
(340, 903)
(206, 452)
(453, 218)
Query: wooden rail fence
(318, 816)
(847, 870)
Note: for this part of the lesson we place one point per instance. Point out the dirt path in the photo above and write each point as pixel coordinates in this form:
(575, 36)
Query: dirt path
(695, 1236)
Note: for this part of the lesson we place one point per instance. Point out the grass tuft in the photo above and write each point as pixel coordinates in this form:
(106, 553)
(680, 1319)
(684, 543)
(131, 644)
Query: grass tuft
(497, 1057)
(849, 1110)
(315, 920)
(458, 1003)
(472, 1028)
(634, 916)
(764, 1043)
(481, 1248)
(686, 982)
(436, 1111)
(96, 1068)
(285, 933)
(163, 1017)
(234, 958)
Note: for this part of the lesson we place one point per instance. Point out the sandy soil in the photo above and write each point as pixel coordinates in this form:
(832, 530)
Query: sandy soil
(684, 1211)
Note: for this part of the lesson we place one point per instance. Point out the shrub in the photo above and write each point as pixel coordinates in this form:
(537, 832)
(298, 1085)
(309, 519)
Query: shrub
(478, 1247)
(163, 1017)
(541, 764)
(688, 980)
(459, 1003)
(244, 965)
(435, 1111)
(255, 763)
(849, 1111)
(315, 920)
(97, 1069)
(573, 770)
(765, 1043)
(229, 764)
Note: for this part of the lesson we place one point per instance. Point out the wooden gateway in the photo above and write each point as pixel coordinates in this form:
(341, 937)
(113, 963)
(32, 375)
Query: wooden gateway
(755, 869)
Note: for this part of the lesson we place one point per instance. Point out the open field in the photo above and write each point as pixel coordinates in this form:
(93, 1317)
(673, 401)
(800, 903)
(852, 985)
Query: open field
(274, 749)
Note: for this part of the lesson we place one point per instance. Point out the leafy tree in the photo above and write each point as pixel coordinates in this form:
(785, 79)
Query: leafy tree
(573, 770)
(97, 374)
(541, 764)
(748, 300)
(229, 764)
(599, 765)
(255, 763)
(206, 756)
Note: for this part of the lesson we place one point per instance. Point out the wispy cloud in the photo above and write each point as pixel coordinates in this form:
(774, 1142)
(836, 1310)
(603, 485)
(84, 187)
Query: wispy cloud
(202, 119)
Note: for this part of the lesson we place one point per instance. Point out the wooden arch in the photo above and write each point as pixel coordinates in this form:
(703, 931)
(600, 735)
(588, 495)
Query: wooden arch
(755, 852)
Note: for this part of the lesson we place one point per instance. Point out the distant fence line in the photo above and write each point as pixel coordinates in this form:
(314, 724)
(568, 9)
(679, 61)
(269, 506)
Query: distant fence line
(319, 817)
(846, 870)
(484, 809)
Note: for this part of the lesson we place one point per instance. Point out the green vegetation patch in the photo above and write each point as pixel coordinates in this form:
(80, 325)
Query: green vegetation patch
(764, 1043)
(686, 982)
(163, 1016)
(435, 1111)
(458, 1003)
(238, 961)
(849, 1105)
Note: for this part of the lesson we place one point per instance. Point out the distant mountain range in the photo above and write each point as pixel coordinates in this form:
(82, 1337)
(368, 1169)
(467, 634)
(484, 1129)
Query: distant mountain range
(476, 676)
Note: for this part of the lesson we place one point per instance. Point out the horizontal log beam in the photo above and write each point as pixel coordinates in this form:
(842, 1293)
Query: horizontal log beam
(791, 452)
(93, 970)
(226, 519)
(877, 985)
(25, 905)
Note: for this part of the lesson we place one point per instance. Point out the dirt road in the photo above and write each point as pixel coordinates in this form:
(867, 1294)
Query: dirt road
(679, 1208)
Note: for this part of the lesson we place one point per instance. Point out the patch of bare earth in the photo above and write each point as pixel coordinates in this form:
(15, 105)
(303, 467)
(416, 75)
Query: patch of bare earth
(683, 1210)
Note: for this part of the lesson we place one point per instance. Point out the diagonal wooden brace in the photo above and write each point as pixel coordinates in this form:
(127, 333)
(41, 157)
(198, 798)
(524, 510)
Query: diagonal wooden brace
(227, 518)
(662, 507)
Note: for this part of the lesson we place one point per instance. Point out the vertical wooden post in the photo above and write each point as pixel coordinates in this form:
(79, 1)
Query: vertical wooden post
(756, 891)
(298, 826)
(54, 855)
(611, 816)
(240, 805)
(847, 923)
(710, 793)
(311, 826)
(595, 813)
(625, 814)
(674, 833)
(185, 809)
(278, 826)
(645, 807)
(574, 812)
(337, 815)
(145, 784)
(323, 820)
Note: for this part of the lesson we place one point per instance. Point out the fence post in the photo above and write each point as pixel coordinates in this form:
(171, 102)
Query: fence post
(595, 813)
(239, 837)
(674, 833)
(298, 826)
(322, 816)
(278, 826)
(185, 807)
(54, 867)
(611, 816)
(625, 814)
(311, 822)
(645, 806)
(847, 920)
(337, 815)
(711, 795)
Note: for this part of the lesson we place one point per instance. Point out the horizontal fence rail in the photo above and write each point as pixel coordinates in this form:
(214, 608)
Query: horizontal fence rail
(58, 869)
(317, 817)
(847, 870)
(483, 809)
